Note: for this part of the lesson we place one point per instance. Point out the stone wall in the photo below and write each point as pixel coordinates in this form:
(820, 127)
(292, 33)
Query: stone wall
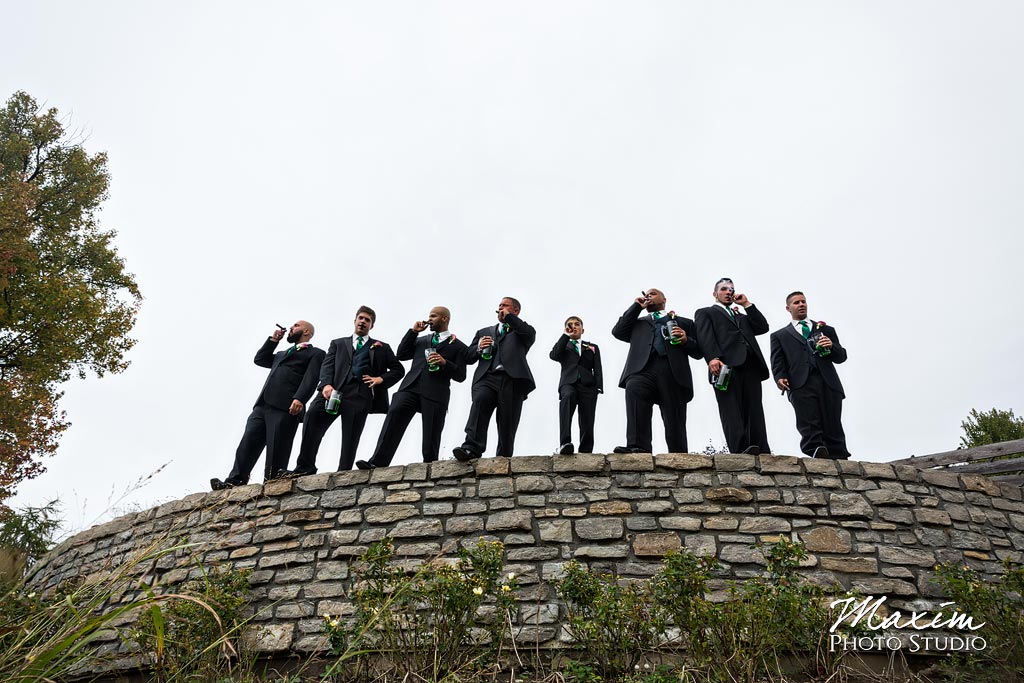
(871, 527)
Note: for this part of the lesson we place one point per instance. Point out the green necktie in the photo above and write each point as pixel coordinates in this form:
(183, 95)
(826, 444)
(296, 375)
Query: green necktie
(359, 343)
(435, 339)
(504, 329)
(291, 350)
(656, 315)
(806, 329)
(575, 345)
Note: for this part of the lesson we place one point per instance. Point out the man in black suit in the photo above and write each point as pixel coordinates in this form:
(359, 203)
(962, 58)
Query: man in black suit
(502, 380)
(579, 384)
(437, 359)
(278, 410)
(361, 369)
(804, 354)
(727, 336)
(657, 371)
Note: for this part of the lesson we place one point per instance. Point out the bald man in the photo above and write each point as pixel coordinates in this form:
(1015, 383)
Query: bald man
(280, 405)
(437, 359)
(501, 382)
(657, 371)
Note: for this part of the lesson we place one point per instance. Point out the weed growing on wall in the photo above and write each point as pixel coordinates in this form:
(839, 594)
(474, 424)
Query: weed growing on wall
(193, 635)
(444, 619)
(1000, 606)
(621, 627)
(614, 624)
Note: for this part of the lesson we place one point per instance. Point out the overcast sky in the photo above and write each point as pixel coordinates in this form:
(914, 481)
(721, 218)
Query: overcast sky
(277, 161)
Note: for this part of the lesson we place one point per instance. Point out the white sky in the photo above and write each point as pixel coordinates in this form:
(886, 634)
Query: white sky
(276, 161)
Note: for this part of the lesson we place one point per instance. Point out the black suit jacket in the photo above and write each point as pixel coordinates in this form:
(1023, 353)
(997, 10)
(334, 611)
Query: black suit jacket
(337, 368)
(732, 342)
(639, 332)
(513, 349)
(792, 355)
(293, 376)
(433, 385)
(583, 368)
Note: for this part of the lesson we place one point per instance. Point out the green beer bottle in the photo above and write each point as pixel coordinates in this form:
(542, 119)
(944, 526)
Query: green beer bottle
(333, 403)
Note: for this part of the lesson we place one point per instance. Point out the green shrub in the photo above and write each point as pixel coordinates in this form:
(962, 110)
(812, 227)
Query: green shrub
(52, 637)
(1000, 606)
(614, 624)
(442, 620)
(29, 532)
(192, 635)
(741, 640)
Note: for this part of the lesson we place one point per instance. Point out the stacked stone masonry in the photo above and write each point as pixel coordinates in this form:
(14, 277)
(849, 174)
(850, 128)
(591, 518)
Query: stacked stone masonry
(869, 527)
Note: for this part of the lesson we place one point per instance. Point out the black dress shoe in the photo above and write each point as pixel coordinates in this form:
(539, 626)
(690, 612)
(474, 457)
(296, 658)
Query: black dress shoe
(626, 449)
(365, 465)
(229, 483)
(463, 454)
(279, 474)
(301, 473)
(820, 452)
(752, 450)
(566, 449)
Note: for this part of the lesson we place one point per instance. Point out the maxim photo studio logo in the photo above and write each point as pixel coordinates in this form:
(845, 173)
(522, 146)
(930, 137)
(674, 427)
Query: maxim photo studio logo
(867, 630)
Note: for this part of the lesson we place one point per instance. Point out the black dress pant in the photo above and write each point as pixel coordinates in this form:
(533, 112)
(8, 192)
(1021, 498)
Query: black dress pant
(495, 390)
(819, 412)
(355, 406)
(404, 405)
(655, 384)
(741, 411)
(266, 427)
(569, 397)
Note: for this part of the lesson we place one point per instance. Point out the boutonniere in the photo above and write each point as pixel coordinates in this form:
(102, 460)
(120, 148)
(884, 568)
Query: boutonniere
(590, 347)
(302, 345)
(820, 324)
(376, 345)
(672, 314)
(451, 338)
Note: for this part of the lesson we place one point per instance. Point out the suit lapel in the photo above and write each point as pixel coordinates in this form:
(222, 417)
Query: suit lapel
(733, 318)
(797, 335)
(346, 352)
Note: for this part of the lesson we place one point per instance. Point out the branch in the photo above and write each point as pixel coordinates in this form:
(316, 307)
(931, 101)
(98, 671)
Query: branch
(39, 164)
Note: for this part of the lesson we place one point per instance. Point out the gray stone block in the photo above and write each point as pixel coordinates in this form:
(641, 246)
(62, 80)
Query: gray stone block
(782, 464)
(510, 520)
(495, 487)
(387, 514)
(533, 484)
(761, 525)
(531, 464)
(582, 483)
(416, 528)
(849, 505)
(631, 462)
(683, 461)
(599, 529)
(735, 463)
(464, 525)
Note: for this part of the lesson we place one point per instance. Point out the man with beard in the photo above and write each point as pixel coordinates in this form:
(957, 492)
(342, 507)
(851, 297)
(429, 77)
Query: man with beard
(437, 359)
(804, 354)
(278, 409)
(360, 369)
(502, 380)
(657, 370)
(728, 338)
